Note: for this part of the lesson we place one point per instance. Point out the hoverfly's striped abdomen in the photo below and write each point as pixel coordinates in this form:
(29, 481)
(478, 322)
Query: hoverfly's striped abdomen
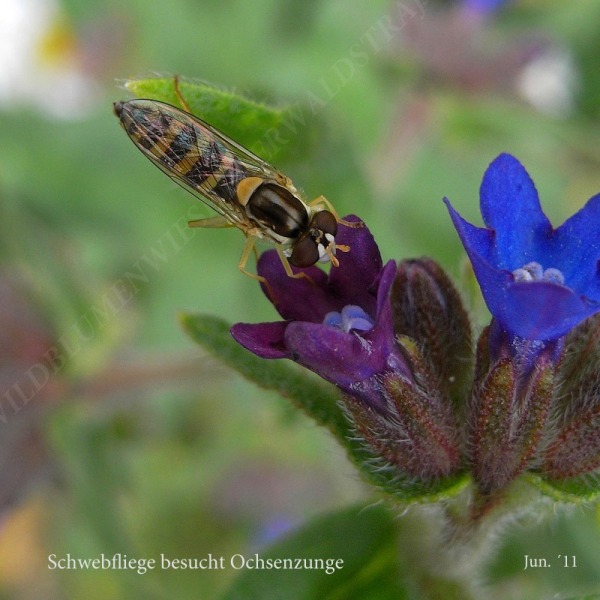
(182, 147)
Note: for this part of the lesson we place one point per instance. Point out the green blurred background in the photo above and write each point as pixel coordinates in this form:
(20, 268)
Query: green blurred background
(141, 444)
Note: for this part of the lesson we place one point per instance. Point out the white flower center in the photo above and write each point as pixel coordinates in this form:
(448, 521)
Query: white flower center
(533, 271)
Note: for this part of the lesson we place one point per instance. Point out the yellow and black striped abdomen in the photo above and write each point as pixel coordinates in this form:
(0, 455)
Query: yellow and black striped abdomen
(184, 148)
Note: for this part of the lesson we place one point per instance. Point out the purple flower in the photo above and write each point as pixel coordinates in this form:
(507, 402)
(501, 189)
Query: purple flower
(538, 282)
(338, 325)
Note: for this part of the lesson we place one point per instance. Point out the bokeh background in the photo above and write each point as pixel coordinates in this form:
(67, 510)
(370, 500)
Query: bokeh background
(117, 434)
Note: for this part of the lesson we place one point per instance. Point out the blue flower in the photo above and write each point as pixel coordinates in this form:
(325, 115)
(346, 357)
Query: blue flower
(538, 282)
(484, 7)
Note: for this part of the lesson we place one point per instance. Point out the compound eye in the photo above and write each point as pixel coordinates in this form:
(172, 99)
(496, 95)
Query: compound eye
(305, 252)
(326, 222)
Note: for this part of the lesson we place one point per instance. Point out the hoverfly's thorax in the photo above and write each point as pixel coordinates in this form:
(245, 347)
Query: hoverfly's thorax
(274, 207)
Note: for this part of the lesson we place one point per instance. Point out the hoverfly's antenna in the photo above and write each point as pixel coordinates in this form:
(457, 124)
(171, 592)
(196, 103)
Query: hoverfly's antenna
(334, 261)
(331, 252)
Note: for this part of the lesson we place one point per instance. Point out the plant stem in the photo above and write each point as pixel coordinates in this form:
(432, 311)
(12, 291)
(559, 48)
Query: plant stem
(443, 549)
(436, 565)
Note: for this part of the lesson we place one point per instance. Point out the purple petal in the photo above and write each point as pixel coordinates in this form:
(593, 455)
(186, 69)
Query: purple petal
(511, 207)
(349, 358)
(340, 357)
(299, 299)
(305, 300)
(382, 335)
(359, 268)
(384, 285)
(263, 339)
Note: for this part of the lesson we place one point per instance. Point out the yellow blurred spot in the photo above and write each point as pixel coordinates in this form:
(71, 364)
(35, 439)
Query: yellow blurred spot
(58, 45)
(22, 557)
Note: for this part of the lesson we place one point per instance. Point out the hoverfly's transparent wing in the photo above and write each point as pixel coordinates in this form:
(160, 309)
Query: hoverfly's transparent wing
(192, 153)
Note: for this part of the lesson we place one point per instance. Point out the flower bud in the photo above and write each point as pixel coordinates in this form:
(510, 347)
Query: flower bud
(574, 448)
(508, 415)
(416, 433)
(427, 308)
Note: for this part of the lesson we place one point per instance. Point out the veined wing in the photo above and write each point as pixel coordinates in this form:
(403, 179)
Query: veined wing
(194, 154)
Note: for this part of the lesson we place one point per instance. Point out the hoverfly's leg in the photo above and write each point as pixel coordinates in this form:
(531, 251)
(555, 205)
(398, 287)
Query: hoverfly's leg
(248, 248)
(211, 222)
(322, 201)
(179, 95)
(288, 268)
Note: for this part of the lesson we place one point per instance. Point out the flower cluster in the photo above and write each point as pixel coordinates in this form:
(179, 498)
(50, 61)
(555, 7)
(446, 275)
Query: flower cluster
(396, 340)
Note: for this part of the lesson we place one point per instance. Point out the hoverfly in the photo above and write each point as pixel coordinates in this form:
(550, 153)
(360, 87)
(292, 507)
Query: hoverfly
(245, 191)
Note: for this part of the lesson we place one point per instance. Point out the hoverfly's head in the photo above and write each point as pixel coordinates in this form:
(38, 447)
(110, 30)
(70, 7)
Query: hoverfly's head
(317, 243)
(118, 108)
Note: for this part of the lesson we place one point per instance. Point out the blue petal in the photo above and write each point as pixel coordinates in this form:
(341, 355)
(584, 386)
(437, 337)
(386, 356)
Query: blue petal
(476, 240)
(511, 207)
(354, 317)
(539, 310)
(483, 6)
(519, 233)
(535, 310)
(576, 250)
(333, 319)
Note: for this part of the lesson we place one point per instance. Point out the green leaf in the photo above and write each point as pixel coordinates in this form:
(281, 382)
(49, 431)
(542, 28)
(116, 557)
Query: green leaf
(363, 538)
(318, 400)
(82, 446)
(273, 133)
(574, 490)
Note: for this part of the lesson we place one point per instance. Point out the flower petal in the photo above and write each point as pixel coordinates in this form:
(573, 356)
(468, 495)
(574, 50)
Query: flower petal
(476, 240)
(298, 299)
(538, 310)
(349, 358)
(382, 335)
(483, 6)
(535, 310)
(359, 268)
(305, 300)
(263, 339)
(511, 207)
(345, 359)
(576, 249)
(330, 352)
